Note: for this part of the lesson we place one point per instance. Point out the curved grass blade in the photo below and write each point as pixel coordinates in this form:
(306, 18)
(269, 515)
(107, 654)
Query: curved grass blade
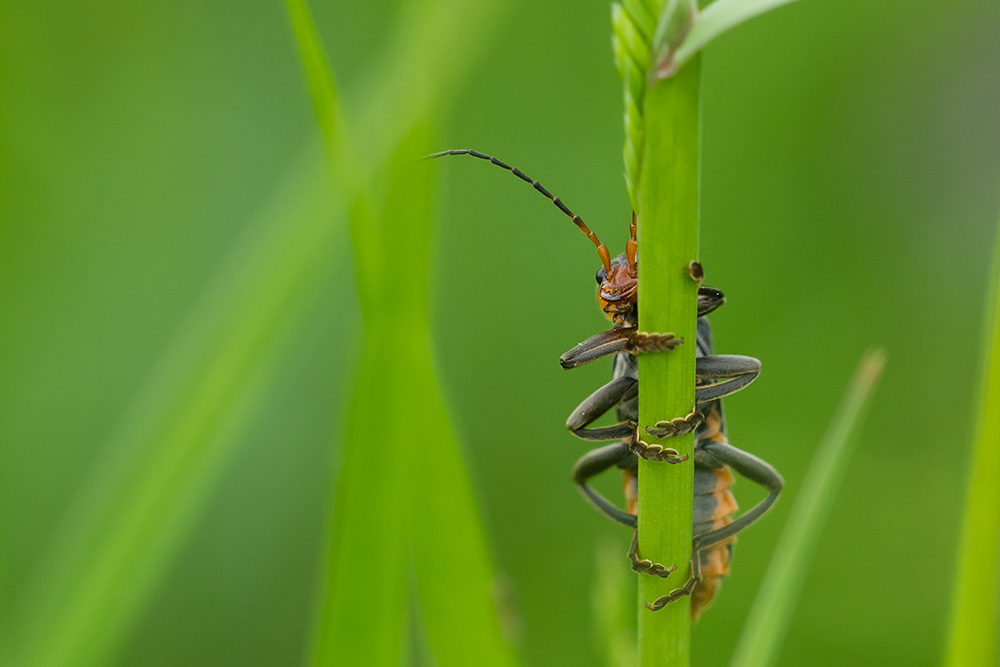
(145, 493)
(972, 641)
(613, 612)
(717, 18)
(772, 609)
(411, 494)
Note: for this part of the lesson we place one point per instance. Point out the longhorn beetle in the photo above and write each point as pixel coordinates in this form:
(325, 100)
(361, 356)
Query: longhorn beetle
(716, 376)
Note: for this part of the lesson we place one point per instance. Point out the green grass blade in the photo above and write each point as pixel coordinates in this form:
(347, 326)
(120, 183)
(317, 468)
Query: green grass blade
(717, 18)
(972, 640)
(410, 494)
(450, 555)
(613, 607)
(771, 613)
(149, 487)
(364, 602)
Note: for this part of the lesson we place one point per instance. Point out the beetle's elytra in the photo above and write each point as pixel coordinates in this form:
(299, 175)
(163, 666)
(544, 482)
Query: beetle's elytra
(717, 376)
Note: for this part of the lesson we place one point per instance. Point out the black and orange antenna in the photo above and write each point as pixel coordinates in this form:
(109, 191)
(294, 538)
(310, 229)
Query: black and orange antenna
(601, 249)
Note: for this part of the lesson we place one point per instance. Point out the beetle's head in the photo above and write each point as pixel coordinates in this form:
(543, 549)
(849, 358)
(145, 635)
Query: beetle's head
(618, 291)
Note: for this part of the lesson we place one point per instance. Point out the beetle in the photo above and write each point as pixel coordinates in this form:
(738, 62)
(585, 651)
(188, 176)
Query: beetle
(714, 528)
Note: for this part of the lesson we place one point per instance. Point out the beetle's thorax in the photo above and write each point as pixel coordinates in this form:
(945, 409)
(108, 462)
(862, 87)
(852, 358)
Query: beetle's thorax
(619, 293)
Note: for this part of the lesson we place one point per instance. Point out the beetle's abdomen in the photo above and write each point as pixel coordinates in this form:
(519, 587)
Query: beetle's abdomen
(714, 506)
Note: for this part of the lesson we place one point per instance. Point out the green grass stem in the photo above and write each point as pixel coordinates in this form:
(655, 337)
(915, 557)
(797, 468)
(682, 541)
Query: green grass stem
(764, 632)
(972, 640)
(668, 242)
(656, 45)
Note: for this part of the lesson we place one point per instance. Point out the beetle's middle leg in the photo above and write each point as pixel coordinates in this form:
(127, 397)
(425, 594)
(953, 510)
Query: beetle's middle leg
(599, 403)
(726, 373)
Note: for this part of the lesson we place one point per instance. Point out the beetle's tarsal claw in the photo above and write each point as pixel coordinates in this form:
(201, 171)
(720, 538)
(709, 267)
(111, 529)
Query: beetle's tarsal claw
(644, 450)
(661, 602)
(646, 566)
(652, 342)
(677, 426)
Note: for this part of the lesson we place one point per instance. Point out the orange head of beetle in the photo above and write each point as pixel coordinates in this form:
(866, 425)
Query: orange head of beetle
(618, 285)
(618, 292)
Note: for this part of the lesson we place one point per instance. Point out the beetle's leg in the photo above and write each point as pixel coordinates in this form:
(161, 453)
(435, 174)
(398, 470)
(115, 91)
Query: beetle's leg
(677, 426)
(733, 370)
(656, 452)
(756, 470)
(644, 565)
(594, 463)
(615, 341)
(688, 587)
(598, 403)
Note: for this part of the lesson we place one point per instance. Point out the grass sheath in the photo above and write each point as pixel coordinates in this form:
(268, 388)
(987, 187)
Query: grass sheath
(972, 641)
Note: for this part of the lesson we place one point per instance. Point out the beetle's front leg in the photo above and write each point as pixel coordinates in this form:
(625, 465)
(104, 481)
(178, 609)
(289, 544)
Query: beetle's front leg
(615, 341)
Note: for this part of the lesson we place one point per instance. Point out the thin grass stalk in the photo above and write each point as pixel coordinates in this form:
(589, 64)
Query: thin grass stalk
(668, 243)
(764, 633)
(972, 640)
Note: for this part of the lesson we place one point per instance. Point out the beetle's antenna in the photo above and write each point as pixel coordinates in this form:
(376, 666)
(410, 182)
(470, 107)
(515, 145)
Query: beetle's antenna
(631, 246)
(601, 249)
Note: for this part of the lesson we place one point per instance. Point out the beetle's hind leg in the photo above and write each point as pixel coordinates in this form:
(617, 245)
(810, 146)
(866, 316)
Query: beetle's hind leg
(756, 470)
(594, 463)
(687, 589)
(753, 468)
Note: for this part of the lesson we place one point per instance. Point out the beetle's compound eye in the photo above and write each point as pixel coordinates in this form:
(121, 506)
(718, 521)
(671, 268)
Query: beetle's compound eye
(601, 275)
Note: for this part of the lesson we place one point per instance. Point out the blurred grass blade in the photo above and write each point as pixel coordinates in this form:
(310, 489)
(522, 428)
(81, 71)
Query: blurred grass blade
(613, 609)
(769, 617)
(363, 599)
(717, 18)
(974, 608)
(152, 481)
(410, 493)
(451, 558)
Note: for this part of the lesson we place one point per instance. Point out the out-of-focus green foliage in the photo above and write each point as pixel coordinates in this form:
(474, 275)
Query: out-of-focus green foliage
(850, 162)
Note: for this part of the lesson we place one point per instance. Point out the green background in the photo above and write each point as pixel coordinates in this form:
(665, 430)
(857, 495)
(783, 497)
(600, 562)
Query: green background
(851, 164)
